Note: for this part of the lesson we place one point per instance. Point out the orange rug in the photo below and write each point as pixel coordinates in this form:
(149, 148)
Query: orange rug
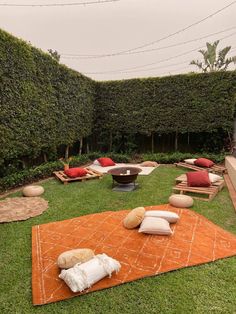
(195, 241)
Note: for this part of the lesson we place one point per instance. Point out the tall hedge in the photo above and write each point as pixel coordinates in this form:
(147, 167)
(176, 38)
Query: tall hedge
(180, 103)
(42, 104)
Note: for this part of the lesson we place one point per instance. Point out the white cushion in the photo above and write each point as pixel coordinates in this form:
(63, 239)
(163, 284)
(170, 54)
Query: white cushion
(169, 216)
(190, 161)
(83, 276)
(96, 162)
(155, 225)
(214, 177)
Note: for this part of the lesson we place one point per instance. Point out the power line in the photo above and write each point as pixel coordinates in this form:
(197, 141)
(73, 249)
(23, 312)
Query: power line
(171, 34)
(74, 56)
(165, 66)
(152, 63)
(56, 4)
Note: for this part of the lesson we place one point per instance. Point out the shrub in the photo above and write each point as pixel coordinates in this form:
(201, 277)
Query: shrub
(46, 170)
(169, 158)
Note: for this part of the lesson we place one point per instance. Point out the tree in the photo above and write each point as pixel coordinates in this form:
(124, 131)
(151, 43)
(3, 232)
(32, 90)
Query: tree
(54, 54)
(212, 61)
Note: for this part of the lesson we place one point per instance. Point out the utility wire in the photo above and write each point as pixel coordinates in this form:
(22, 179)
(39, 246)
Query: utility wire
(56, 4)
(160, 61)
(74, 56)
(167, 36)
(165, 66)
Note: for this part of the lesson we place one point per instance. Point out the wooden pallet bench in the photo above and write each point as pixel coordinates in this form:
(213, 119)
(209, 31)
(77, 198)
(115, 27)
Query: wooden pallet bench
(210, 192)
(214, 169)
(183, 178)
(92, 174)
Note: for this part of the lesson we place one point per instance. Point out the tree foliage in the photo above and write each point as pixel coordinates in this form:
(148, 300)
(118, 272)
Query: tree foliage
(182, 103)
(213, 61)
(42, 104)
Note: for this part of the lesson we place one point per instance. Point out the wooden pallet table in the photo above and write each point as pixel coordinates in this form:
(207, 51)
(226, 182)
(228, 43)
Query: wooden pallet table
(214, 169)
(183, 178)
(92, 174)
(210, 192)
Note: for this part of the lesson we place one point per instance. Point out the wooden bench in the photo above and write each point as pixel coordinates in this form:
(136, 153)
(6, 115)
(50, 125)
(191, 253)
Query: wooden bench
(214, 169)
(92, 174)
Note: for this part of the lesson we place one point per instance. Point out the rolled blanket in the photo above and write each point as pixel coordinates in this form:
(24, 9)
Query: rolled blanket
(83, 276)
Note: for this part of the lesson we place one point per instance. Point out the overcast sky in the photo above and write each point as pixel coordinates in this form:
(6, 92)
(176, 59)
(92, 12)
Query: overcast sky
(112, 27)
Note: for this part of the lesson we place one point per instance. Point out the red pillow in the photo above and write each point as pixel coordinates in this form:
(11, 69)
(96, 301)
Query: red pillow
(198, 178)
(203, 162)
(106, 162)
(76, 172)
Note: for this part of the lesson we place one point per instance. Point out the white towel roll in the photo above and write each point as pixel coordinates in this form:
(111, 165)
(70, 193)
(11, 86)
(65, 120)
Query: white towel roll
(83, 276)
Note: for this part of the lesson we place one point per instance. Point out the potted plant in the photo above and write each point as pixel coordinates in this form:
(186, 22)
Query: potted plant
(66, 162)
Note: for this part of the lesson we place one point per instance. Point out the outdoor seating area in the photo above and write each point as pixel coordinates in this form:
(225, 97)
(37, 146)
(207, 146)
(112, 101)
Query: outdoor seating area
(104, 233)
(118, 168)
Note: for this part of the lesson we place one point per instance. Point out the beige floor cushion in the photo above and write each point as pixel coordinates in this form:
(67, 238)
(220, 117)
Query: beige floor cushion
(134, 218)
(149, 164)
(70, 258)
(182, 201)
(33, 190)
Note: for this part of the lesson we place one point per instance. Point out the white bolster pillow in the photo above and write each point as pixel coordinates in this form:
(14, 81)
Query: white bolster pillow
(83, 276)
(169, 216)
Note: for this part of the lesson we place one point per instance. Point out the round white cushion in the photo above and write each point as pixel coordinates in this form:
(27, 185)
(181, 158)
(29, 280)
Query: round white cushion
(179, 200)
(33, 190)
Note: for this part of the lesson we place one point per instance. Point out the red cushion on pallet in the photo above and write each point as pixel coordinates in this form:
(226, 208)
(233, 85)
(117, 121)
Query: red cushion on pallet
(106, 162)
(76, 172)
(204, 162)
(198, 179)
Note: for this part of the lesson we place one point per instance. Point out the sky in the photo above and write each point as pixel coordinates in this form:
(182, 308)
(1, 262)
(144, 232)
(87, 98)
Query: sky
(82, 33)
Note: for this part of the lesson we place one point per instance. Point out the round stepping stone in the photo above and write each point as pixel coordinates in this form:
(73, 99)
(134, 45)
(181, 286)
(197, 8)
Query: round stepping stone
(182, 201)
(33, 190)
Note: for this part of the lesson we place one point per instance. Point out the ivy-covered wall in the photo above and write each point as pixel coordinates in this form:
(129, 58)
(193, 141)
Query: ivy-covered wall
(174, 104)
(42, 104)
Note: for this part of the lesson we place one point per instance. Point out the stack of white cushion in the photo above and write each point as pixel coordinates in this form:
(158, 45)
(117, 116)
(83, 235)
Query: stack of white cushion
(83, 276)
(158, 222)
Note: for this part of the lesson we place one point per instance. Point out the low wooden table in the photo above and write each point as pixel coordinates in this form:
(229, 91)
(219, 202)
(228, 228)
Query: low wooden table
(92, 174)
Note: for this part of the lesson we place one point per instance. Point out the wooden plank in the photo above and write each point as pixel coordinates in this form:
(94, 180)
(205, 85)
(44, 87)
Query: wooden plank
(183, 178)
(92, 174)
(209, 191)
(214, 169)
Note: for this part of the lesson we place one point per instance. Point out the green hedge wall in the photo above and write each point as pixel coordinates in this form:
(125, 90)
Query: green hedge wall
(43, 104)
(180, 103)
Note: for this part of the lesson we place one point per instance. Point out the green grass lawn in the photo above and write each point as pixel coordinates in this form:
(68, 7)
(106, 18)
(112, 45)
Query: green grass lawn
(209, 288)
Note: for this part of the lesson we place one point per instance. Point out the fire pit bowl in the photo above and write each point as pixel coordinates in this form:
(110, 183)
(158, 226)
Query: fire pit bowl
(124, 175)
